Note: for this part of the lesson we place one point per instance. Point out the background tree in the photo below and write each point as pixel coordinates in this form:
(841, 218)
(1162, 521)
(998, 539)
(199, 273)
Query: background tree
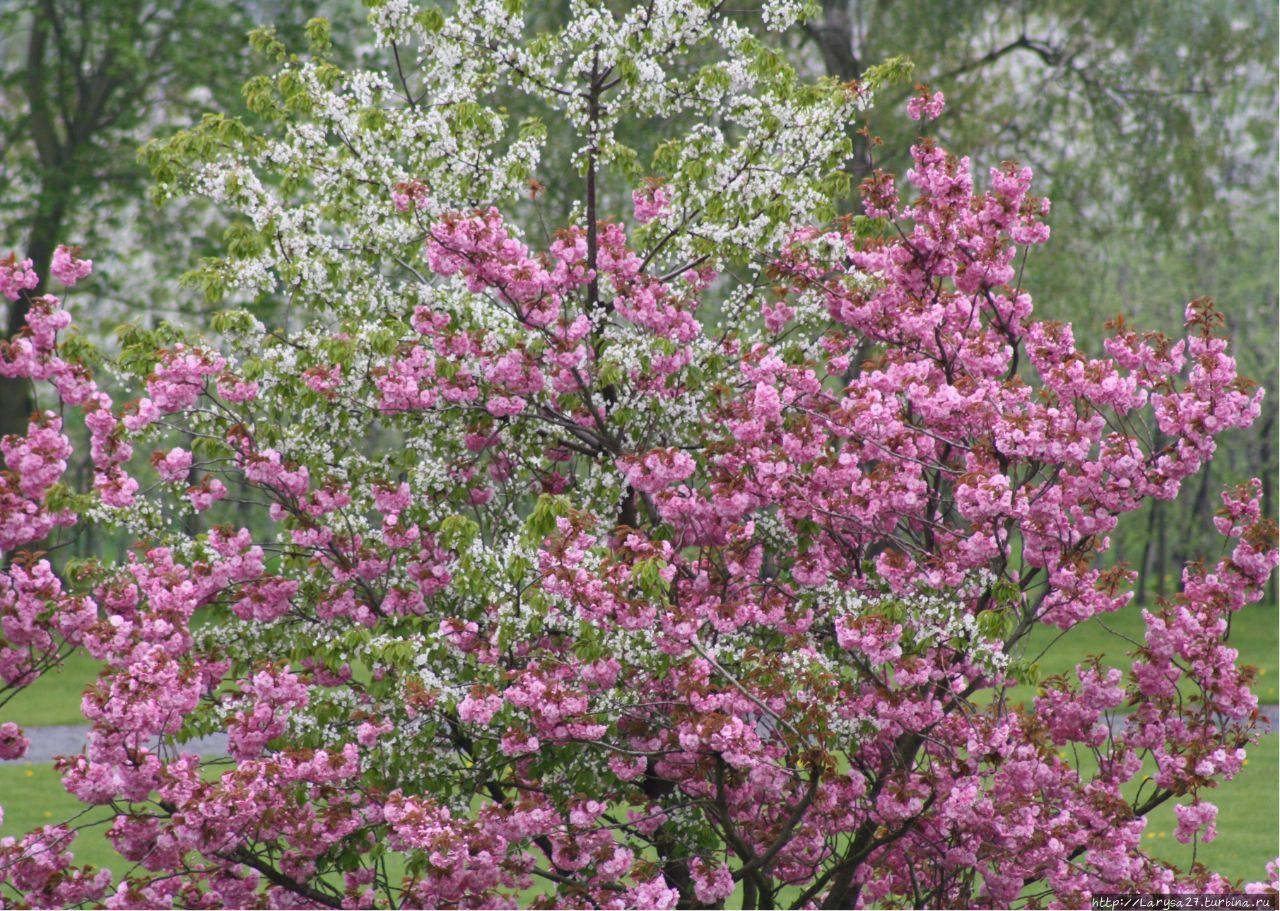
(82, 85)
(1168, 116)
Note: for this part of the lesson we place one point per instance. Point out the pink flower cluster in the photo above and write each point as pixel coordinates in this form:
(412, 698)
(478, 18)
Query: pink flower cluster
(13, 745)
(67, 268)
(652, 202)
(925, 106)
(16, 277)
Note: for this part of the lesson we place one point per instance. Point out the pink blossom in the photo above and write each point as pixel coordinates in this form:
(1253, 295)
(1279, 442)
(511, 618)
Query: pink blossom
(12, 744)
(1194, 817)
(206, 493)
(174, 465)
(67, 268)
(655, 894)
(16, 277)
(926, 106)
(652, 202)
(688, 586)
(479, 709)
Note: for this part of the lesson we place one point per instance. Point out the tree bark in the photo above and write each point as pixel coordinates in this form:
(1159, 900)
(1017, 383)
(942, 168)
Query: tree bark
(834, 37)
(1144, 564)
(1162, 549)
(16, 403)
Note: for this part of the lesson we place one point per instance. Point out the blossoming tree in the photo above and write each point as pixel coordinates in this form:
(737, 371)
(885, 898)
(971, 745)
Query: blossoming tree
(682, 556)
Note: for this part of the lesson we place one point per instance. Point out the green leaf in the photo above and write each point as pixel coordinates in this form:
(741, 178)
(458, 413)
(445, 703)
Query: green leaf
(896, 70)
(431, 19)
(319, 35)
(647, 574)
(457, 532)
(542, 521)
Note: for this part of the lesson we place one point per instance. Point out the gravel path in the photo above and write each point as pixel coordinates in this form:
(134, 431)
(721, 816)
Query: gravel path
(1270, 718)
(69, 739)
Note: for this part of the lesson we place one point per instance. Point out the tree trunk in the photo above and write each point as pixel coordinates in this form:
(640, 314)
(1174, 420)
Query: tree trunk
(1162, 549)
(16, 403)
(834, 35)
(1144, 564)
(1187, 548)
(56, 158)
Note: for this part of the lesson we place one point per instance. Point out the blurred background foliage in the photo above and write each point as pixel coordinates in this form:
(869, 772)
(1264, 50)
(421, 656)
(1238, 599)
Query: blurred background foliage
(1151, 126)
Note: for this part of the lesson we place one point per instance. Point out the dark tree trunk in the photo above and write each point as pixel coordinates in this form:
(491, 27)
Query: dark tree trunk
(834, 36)
(56, 158)
(16, 403)
(1189, 548)
(1144, 564)
(1162, 549)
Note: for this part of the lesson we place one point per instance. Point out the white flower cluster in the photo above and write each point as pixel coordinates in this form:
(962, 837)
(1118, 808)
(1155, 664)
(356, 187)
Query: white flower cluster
(780, 15)
(321, 227)
(929, 619)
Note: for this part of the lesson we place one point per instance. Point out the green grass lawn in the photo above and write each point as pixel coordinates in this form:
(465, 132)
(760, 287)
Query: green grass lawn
(1248, 820)
(32, 796)
(1255, 632)
(55, 697)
